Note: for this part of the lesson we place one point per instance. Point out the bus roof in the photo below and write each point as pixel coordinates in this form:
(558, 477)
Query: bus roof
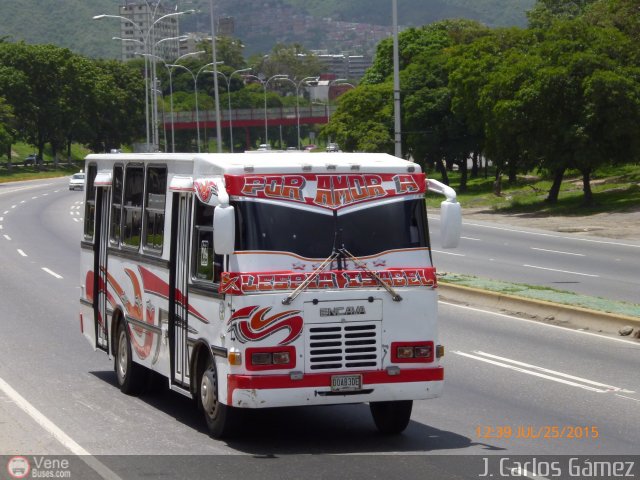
(272, 162)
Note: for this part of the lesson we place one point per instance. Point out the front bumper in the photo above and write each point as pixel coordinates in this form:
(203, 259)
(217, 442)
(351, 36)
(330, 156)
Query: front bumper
(265, 391)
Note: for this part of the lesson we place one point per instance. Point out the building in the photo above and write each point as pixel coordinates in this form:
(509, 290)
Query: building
(344, 65)
(143, 33)
(193, 42)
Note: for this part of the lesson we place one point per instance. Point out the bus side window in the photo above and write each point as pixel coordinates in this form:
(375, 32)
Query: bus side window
(132, 207)
(207, 266)
(154, 208)
(90, 203)
(116, 205)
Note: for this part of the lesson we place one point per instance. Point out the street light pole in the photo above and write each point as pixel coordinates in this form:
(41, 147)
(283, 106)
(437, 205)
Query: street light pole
(170, 70)
(304, 80)
(265, 84)
(229, 98)
(195, 89)
(216, 95)
(147, 47)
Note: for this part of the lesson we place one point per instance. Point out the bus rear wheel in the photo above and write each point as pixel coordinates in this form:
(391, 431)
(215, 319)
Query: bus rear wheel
(131, 377)
(391, 418)
(220, 418)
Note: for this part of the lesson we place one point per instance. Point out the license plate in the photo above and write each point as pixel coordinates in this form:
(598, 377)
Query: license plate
(346, 383)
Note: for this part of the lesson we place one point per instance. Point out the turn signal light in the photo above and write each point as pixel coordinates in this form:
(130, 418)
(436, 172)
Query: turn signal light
(271, 358)
(412, 352)
(235, 358)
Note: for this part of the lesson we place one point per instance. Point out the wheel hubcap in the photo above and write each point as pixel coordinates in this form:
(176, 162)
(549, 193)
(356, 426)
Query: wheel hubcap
(122, 356)
(208, 394)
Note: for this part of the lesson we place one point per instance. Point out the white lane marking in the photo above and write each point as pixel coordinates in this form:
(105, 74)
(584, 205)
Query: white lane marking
(51, 272)
(33, 198)
(1, 219)
(57, 432)
(610, 388)
(22, 253)
(7, 237)
(580, 239)
(449, 253)
(538, 323)
(530, 372)
(5, 212)
(562, 271)
(1, 227)
(13, 206)
(628, 398)
(30, 187)
(76, 220)
(23, 201)
(471, 238)
(557, 251)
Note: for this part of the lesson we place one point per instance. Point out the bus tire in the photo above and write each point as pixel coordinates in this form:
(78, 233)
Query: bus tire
(391, 418)
(132, 378)
(220, 418)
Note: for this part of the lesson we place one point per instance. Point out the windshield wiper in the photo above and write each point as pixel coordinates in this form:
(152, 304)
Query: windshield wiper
(363, 266)
(292, 296)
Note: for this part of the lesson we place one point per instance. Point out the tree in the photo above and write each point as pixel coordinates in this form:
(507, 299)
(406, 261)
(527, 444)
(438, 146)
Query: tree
(295, 61)
(544, 12)
(228, 50)
(364, 120)
(6, 130)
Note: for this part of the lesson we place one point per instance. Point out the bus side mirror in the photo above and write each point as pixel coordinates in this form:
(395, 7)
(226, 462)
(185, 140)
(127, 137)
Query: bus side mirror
(450, 224)
(224, 230)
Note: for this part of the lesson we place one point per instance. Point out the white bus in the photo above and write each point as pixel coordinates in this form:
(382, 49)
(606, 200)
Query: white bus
(271, 280)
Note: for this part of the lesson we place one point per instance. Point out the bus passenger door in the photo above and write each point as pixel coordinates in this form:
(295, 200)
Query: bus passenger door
(100, 269)
(178, 289)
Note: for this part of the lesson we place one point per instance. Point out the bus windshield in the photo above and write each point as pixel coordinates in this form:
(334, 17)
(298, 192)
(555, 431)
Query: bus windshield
(363, 232)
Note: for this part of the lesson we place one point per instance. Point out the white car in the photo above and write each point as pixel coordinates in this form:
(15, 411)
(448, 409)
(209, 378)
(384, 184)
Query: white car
(76, 181)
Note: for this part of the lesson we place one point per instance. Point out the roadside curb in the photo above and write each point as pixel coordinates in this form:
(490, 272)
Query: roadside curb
(541, 310)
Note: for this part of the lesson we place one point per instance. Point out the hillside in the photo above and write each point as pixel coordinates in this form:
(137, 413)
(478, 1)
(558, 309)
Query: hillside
(259, 23)
(420, 12)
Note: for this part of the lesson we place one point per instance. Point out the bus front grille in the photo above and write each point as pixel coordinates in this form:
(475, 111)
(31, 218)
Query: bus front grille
(343, 346)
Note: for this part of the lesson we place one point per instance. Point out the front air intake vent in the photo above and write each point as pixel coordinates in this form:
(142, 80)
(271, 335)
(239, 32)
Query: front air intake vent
(354, 346)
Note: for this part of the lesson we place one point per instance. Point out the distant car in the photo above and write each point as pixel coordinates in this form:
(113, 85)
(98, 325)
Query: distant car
(292, 149)
(76, 181)
(32, 159)
(310, 147)
(264, 147)
(333, 147)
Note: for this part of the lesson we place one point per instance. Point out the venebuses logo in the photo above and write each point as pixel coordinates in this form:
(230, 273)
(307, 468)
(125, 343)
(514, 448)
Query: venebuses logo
(18, 467)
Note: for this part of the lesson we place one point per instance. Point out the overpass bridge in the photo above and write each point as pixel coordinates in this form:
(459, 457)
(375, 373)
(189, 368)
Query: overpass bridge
(250, 117)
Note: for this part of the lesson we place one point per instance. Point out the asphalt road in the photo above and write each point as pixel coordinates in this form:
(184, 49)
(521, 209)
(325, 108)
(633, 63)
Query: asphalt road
(505, 378)
(600, 267)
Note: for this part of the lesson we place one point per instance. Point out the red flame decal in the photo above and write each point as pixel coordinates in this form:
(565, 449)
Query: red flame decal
(251, 324)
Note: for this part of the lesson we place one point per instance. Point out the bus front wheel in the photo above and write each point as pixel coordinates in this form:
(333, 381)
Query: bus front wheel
(131, 376)
(220, 418)
(391, 418)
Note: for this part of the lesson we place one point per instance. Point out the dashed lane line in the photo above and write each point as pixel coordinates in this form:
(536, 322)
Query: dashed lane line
(562, 271)
(52, 273)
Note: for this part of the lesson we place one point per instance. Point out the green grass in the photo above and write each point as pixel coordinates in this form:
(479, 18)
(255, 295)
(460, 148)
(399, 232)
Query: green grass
(539, 292)
(615, 189)
(19, 172)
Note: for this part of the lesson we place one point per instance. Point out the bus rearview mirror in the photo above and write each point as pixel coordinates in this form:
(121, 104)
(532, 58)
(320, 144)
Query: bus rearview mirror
(450, 224)
(224, 230)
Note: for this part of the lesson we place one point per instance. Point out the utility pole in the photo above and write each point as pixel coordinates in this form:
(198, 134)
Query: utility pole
(396, 83)
(215, 81)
